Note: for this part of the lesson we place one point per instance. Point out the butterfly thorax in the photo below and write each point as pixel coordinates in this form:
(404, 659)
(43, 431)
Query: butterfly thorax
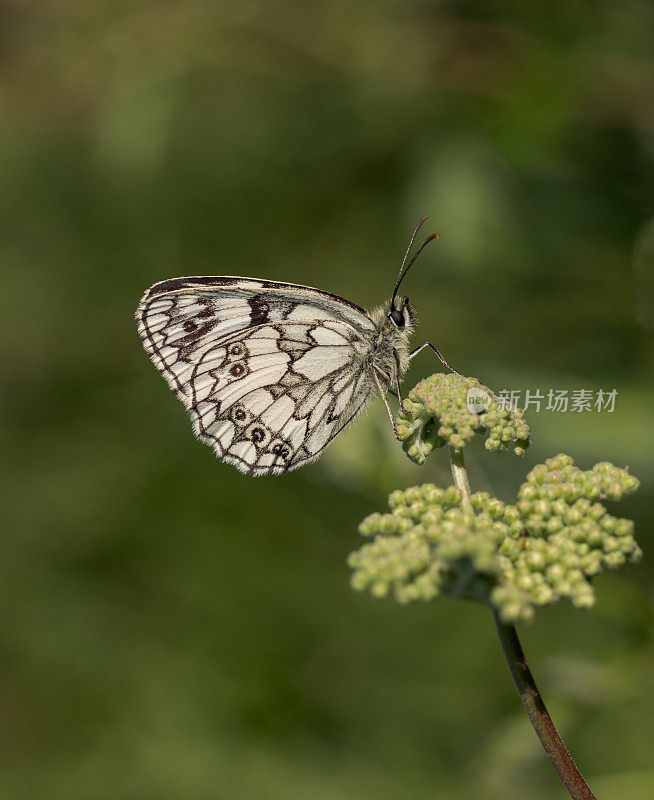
(390, 349)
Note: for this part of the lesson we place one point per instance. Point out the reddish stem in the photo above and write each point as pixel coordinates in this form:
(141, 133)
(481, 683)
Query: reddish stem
(537, 713)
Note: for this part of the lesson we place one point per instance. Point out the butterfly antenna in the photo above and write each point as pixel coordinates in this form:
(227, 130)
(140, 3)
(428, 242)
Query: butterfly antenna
(408, 250)
(403, 272)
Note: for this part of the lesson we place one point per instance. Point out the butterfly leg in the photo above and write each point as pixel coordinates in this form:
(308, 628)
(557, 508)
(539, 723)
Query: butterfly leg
(438, 353)
(397, 380)
(382, 392)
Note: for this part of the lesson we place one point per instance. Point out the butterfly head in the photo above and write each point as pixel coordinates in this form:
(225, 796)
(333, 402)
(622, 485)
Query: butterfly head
(402, 314)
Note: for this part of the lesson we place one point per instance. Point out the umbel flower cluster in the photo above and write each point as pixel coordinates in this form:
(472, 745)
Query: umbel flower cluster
(438, 412)
(513, 557)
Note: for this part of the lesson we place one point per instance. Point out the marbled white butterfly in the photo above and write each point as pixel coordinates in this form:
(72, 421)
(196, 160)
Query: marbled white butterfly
(271, 372)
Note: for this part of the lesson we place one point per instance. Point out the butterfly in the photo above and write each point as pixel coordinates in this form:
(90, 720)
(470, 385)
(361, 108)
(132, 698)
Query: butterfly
(270, 373)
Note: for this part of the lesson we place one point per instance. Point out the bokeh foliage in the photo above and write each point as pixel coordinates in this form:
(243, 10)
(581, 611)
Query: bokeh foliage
(173, 629)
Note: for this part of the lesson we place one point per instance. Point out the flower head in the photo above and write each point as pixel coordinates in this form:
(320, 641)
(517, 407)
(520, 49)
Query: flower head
(513, 557)
(439, 411)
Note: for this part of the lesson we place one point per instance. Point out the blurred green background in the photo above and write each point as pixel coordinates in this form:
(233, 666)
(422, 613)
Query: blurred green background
(173, 629)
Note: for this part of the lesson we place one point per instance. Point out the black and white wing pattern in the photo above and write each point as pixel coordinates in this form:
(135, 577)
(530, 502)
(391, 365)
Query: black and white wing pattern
(269, 372)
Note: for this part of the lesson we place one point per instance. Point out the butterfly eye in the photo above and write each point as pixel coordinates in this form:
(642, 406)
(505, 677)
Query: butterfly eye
(397, 317)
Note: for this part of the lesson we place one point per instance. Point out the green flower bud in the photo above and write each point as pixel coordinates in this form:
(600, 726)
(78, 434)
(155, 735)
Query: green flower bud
(528, 492)
(535, 561)
(395, 499)
(542, 595)
(495, 508)
(624, 527)
(553, 525)
(416, 510)
(571, 492)
(413, 495)
(452, 495)
(584, 599)
(555, 573)
(573, 517)
(400, 511)
(524, 507)
(432, 494)
(433, 515)
(614, 559)
(511, 514)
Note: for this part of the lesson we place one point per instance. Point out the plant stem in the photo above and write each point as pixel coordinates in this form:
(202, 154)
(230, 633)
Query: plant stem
(460, 475)
(522, 677)
(537, 713)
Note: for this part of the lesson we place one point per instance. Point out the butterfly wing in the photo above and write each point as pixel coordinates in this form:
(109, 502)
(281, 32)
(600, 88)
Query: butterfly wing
(269, 372)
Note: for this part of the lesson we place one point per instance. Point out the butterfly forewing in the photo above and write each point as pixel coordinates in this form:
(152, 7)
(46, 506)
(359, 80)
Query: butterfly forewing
(269, 372)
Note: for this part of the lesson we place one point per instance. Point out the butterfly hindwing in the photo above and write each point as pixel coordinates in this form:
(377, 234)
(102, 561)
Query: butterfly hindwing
(269, 372)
